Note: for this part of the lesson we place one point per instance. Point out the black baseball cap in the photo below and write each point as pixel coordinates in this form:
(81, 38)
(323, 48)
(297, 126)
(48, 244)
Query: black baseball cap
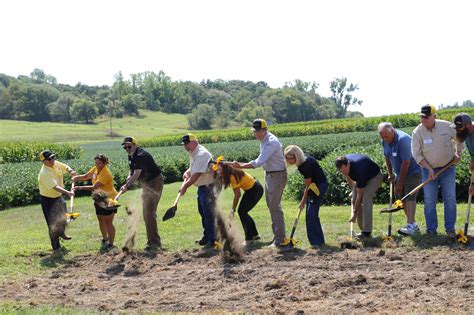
(129, 140)
(259, 124)
(461, 120)
(188, 138)
(427, 110)
(46, 155)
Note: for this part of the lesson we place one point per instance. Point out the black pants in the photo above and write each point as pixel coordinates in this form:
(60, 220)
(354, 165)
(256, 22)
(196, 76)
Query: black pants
(54, 210)
(249, 200)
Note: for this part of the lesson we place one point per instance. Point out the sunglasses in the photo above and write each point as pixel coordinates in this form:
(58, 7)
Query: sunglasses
(51, 158)
(425, 117)
(127, 147)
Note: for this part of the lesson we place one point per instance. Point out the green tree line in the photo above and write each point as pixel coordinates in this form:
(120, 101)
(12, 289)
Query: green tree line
(208, 104)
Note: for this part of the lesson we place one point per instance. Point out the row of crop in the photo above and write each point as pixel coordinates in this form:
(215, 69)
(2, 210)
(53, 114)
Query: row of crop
(303, 128)
(19, 184)
(16, 152)
(19, 180)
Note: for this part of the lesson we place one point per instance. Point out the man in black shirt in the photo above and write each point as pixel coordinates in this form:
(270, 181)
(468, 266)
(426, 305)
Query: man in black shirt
(364, 177)
(144, 169)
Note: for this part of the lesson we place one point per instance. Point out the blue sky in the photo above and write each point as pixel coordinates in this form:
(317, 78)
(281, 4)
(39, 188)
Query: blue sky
(403, 54)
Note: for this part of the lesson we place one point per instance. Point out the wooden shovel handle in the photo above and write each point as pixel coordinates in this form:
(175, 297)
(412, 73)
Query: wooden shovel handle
(177, 199)
(72, 197)
(428, 180)
(118, 195)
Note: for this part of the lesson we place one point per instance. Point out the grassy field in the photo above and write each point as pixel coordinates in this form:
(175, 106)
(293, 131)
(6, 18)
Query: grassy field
(150, 124)
(25, 247)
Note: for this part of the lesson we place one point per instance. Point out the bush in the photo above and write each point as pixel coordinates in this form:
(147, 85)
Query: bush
(15, 152)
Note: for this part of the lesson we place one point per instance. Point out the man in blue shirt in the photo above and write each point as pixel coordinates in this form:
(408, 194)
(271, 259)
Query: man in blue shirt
(465, 133)
(364, 177)
(397, 151)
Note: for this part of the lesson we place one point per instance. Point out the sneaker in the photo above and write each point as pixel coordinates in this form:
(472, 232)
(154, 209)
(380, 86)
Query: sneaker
(250, 241)
(110, 247)
(409, 230)
(151, 248)
(363, 236)
(65, 237)
(201, 242)
(451, 234)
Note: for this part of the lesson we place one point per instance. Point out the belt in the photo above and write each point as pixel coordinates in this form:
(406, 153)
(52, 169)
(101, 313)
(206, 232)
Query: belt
(270, 172)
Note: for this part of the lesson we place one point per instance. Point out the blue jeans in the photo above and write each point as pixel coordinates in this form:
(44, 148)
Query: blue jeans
(313, 224)
(206, 203)
(447, 183)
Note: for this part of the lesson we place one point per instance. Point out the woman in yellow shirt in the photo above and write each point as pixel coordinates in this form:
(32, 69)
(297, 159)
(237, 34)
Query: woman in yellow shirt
(101, 179)
(253, 192)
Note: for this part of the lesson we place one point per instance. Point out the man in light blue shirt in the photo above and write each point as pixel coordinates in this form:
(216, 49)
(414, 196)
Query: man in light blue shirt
(273, 162)
(398, 158)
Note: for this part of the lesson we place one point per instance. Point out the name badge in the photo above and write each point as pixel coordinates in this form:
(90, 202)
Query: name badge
(428, 141)
(394, 153)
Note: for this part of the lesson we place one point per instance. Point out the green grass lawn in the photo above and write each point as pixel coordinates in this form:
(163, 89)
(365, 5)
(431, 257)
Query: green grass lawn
(25, 247)
(150, 124)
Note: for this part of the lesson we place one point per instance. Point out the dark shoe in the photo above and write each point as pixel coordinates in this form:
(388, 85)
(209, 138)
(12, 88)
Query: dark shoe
(255, 238)
(363, 236)
(110, 247)
(65, 237)
(451, 234)
(201, 242)
(153, 248)
(430, 232)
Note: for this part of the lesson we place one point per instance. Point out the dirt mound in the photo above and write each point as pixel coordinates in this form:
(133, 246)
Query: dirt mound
(328, 280)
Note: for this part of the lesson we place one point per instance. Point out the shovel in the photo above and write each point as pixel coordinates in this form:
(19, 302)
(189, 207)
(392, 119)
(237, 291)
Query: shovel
(71, 215)
(171, 212)
(115, 205)
(292, 242)
(389, 229)
(398, 205)
(462, 235)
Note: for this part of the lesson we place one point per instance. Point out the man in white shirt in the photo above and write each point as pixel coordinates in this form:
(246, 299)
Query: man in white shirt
(200, 175)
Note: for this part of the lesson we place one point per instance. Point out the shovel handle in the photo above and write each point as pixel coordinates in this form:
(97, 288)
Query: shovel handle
(72, 197)
(177, 199)
(428, 180)
(389, 231)
(468, 211)
(118, 195)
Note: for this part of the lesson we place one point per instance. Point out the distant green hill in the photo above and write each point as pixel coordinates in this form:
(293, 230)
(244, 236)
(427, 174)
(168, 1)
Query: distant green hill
(150, 124)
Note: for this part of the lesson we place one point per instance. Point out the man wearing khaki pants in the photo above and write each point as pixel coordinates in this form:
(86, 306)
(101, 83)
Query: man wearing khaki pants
(144, 169)
(272, 160)
(364, 177)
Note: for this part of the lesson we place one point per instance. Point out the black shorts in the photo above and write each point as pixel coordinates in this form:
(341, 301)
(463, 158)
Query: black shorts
(101, 211)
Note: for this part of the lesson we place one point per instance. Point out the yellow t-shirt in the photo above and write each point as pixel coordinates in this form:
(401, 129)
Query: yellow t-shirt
(106, 179)
(49, 177)
(245, 183)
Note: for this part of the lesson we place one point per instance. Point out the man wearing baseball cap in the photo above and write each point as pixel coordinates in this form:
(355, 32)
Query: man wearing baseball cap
(465, 133)
(51, 188)
(144, 169)
(200, 175)
(433, 148)
(273, 162)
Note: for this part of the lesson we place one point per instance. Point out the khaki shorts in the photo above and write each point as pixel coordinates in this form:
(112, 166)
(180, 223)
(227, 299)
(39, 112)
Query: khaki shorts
(411, 181)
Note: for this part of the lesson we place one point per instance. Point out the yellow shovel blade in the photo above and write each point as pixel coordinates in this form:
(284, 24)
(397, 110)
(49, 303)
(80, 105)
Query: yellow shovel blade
(72, 215)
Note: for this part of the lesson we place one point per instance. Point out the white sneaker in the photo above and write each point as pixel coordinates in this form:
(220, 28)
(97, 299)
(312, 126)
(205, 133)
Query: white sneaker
(410, 230)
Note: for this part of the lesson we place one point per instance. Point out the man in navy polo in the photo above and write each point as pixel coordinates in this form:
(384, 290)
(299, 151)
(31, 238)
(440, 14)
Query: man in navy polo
(397, 151)
(364, 177)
